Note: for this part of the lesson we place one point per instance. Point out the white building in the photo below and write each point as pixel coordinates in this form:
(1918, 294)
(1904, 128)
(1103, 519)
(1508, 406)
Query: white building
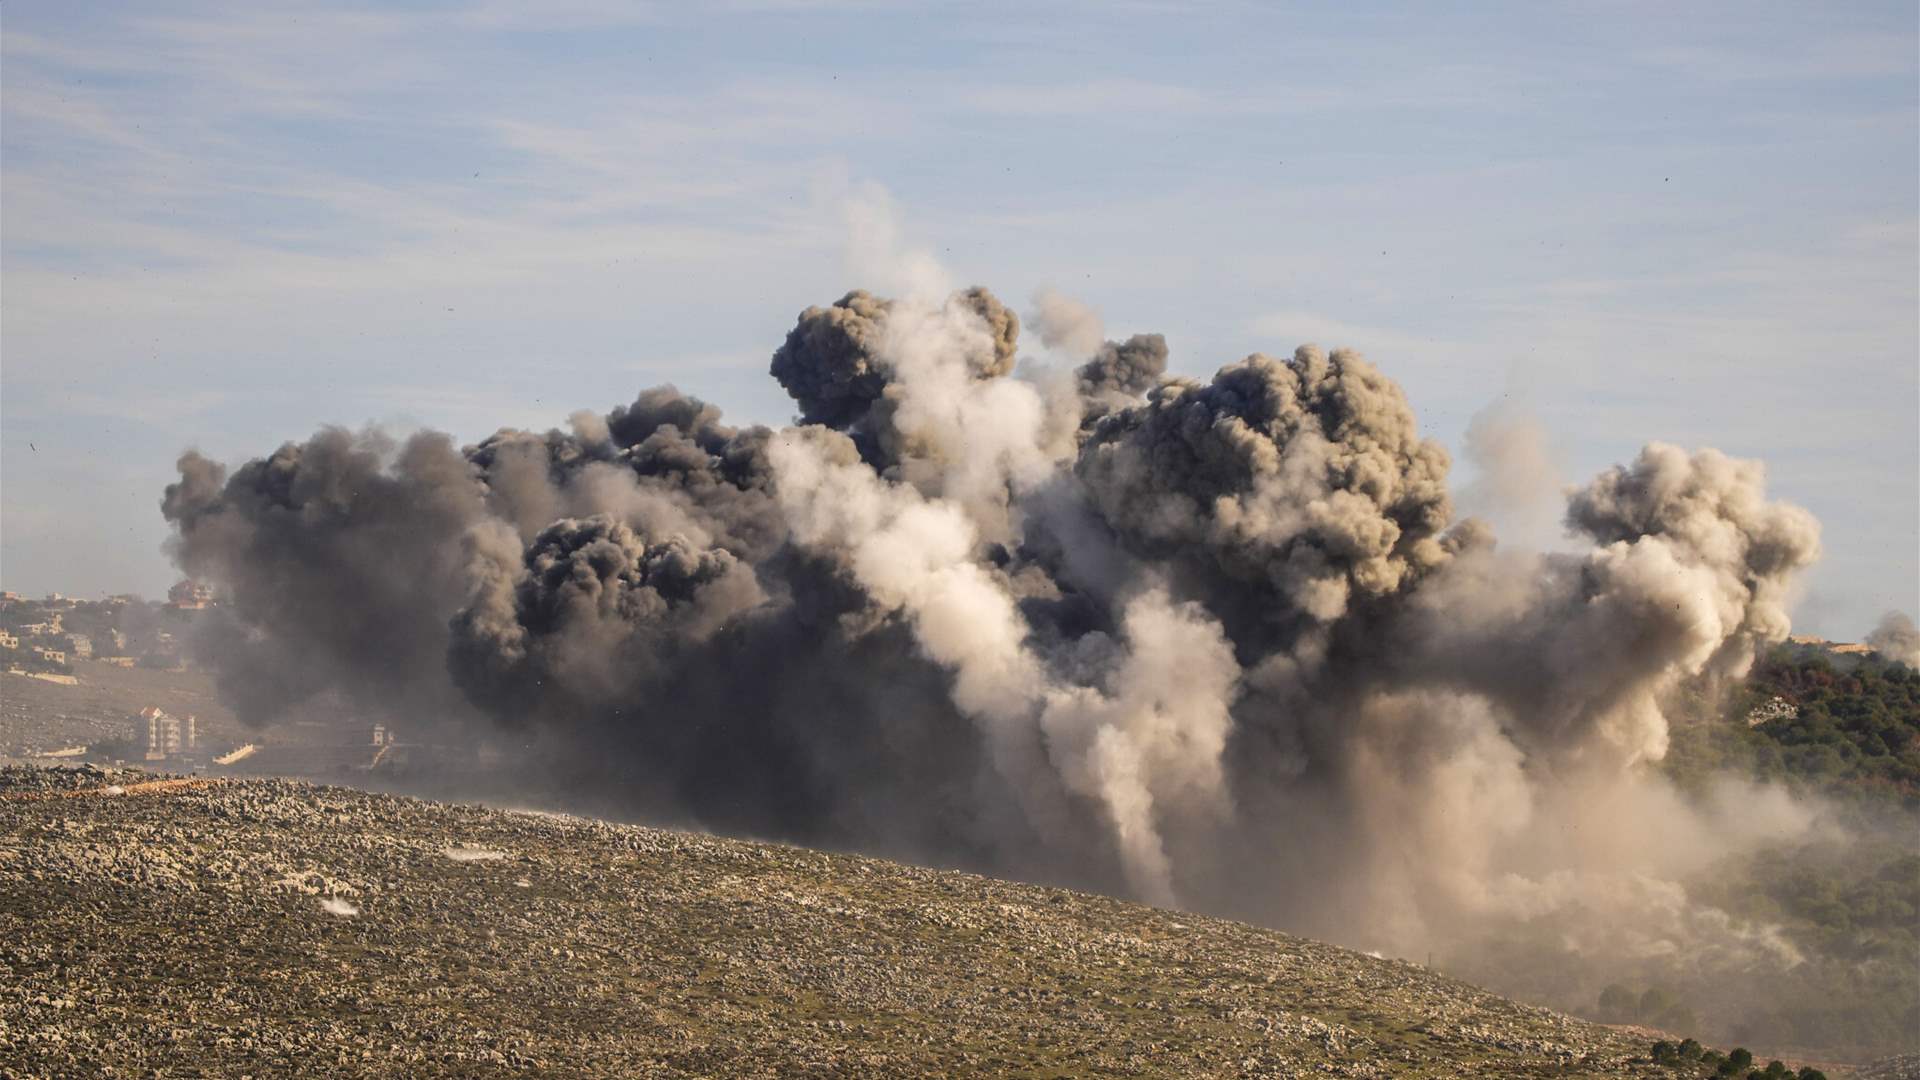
(168, 735)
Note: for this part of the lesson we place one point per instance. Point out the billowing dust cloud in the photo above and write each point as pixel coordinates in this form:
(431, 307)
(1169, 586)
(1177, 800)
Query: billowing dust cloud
(1219, 643)
(1896, 638)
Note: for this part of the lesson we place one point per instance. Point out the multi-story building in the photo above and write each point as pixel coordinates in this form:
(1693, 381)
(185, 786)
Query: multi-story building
(168, 735)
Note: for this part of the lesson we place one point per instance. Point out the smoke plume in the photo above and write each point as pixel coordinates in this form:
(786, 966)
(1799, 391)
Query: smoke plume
(1517, 484)
(1222, 642)
(1066, 324)
(1896, 639)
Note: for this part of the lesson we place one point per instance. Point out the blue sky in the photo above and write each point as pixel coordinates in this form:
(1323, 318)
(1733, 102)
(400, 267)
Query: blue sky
(223, 227)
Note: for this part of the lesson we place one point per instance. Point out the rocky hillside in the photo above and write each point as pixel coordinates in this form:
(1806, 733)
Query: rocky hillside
(199, 927)
(37, 717)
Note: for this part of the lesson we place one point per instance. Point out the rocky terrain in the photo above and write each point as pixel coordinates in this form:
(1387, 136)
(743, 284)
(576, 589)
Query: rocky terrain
(178, 927)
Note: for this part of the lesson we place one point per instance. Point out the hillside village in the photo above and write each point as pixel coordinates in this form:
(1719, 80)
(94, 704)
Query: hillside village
(44, 637)
(112, 682)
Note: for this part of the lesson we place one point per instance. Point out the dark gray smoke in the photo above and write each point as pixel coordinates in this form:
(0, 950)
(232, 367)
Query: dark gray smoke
(1120, 373)
(1222, 643)
(336, 560)
(830, 364)
(1284, 490)
(591, 608)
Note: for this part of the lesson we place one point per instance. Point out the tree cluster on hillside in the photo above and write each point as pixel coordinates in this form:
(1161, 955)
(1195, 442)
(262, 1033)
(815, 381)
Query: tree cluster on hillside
(1853, 910)
(1802, 721)
(1689, 1058)
(1845, 728)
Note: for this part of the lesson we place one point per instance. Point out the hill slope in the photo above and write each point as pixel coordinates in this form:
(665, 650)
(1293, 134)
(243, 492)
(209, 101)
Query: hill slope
(204, 925)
